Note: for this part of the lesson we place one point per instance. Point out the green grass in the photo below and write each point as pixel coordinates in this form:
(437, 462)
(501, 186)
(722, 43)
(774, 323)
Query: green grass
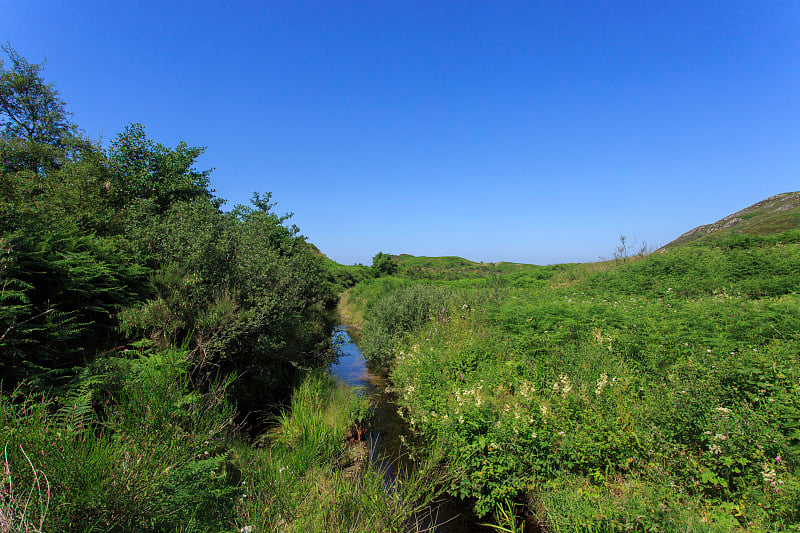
(304, 478)
(137, 448)
(150, 459)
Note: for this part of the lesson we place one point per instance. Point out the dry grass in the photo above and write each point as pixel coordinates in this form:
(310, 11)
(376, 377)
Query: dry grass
(21, 508)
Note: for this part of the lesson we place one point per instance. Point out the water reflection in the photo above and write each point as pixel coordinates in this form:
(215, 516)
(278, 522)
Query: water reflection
(351, 367)
(383, 437)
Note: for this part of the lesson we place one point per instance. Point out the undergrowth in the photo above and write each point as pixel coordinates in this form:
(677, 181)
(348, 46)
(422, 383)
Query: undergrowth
(156, 455)
(656, 394)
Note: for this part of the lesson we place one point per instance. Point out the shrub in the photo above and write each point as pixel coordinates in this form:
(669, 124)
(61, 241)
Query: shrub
(396, 313)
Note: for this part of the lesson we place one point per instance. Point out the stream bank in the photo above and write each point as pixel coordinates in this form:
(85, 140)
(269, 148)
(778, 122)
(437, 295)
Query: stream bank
(385, 432)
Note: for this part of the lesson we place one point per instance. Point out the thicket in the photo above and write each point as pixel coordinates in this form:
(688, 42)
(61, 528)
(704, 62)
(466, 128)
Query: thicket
(148, 334)
(659, 393)
(101, 248)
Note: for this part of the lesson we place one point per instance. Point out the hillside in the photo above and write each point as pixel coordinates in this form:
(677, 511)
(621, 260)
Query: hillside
(657, 394)
(775, 214)
(449, 267)
(407, 260)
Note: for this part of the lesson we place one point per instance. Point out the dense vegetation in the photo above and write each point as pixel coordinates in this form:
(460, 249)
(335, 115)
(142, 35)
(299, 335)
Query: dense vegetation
(161, 355)
(650, 394)
(149, 337)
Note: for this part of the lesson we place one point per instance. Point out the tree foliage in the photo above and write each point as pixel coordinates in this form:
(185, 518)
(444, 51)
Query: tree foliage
(109, 260)
(383, 264)
(36, 128)
(141, 169)
(101, 248)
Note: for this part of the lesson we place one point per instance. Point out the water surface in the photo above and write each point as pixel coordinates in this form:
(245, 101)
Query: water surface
(385, 429)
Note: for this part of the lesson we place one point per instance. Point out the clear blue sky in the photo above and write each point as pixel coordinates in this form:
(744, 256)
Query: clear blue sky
(521, 131)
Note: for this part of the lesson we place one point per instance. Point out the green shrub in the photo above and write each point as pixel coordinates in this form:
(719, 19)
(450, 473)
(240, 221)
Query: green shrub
(660, 394)
(396, 313)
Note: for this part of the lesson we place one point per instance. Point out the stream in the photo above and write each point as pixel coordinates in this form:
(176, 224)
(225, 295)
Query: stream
(386, 427)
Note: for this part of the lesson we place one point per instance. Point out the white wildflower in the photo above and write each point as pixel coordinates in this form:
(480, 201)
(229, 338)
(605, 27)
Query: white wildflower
(526, 390)
(724, 411)
(601, 384)
(769, 475)
(563, 385)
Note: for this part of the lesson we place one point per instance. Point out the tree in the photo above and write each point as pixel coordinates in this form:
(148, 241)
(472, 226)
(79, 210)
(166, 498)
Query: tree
(142, 169)
(35, 127)
(384, 264)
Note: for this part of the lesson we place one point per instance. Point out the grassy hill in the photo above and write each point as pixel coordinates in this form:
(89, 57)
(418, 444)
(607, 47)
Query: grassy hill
(450, 267)
(773, 215)
(655, 394)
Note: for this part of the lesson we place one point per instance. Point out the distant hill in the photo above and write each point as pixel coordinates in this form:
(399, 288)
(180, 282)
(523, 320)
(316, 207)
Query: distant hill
(773, 215)
(448, 266)
(447, 261)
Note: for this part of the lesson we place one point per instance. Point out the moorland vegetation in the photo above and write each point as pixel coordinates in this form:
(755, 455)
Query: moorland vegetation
(163, 355)
(652, 393)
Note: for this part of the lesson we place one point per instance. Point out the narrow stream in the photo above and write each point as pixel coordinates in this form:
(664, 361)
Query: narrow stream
(386, 428)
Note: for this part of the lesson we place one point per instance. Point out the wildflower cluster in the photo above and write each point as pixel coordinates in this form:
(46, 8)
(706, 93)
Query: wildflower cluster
(562, 386)
(601, 384)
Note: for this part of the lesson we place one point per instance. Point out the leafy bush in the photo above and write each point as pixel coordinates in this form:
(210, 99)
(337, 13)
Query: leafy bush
(396, 313)
(64, 291)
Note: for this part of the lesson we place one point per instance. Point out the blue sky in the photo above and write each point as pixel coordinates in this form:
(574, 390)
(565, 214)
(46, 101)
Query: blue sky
(497, 131)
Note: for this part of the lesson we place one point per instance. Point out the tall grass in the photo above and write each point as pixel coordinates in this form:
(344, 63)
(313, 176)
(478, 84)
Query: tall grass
(148, 460)
(306, 478)
(140, 449)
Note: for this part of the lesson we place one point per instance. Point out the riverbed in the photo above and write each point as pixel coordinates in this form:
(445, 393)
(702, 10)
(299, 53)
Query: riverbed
(385, 427)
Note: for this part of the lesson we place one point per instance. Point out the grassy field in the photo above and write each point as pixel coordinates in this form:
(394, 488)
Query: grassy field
(657, 394)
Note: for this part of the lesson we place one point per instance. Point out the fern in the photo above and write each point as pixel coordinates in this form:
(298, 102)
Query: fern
(76, 413)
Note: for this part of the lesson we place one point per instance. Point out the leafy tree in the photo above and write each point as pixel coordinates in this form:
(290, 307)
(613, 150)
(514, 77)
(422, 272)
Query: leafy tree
(383, 264)
(142, 169)
(75, 196)
(243, 286)
(35, 128)
(100, 248)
